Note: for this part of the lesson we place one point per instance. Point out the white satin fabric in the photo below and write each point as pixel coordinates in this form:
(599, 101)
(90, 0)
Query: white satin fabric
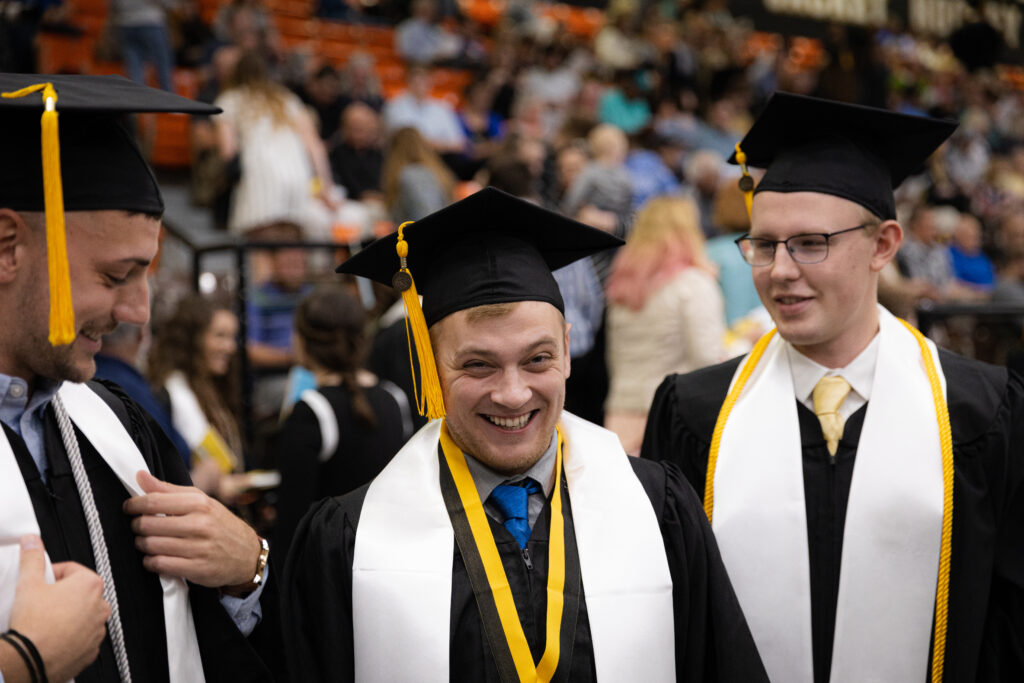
(893, 524)
(401, 574)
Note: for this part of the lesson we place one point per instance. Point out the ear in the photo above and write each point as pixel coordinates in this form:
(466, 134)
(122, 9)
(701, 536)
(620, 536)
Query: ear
(888, 238)
(14, 233)
(568, 359)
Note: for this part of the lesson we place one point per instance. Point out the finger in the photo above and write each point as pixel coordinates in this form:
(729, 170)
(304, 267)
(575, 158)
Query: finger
(172, 547)
(176, 567)
(178, 503)
(151, 484)
(32, 567)
(183, 526)
(62, 570)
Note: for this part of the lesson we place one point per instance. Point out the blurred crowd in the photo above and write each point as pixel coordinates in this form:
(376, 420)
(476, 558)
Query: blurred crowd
(629, 131)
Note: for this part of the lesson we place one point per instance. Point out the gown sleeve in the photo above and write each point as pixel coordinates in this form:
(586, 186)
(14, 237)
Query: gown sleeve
(713, 642)
(317, 592)
(1002, 655)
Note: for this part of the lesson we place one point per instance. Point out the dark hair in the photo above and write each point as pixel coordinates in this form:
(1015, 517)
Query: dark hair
(331, 326)
(178, 346)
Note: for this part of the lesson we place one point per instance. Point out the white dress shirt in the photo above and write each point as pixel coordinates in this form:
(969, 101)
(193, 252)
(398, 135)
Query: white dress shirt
(860, 373)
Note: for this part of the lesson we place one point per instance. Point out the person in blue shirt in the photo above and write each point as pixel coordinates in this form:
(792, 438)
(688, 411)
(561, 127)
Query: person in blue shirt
(116, 362)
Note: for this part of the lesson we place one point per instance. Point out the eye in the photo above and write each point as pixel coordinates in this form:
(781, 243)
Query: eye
(114, 280)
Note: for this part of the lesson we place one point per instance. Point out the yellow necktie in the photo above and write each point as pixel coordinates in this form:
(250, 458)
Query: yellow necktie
(829, 394)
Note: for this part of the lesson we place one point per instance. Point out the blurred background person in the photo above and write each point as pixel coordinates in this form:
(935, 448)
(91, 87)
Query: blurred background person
(283, 162)
(193, 366)
(340, 435)
(665, 312)
(734, 276)
(118, 361)
(433, 117)
(359, 82)
(356, 154)
(416, 181)
(145, 39)
(972, 267)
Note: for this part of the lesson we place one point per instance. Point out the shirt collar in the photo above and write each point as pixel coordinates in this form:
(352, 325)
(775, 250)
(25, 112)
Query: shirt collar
(487, 479)
(13, 401)
(860, 372)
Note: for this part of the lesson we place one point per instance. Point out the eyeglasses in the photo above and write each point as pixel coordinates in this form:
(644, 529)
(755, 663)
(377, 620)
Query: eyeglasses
(805, 249)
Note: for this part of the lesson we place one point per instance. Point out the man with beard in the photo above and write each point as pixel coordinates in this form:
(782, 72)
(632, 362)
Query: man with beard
(84, 468)
(508, 540)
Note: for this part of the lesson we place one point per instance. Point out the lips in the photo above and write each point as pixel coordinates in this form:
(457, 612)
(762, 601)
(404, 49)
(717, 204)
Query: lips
(791, 304)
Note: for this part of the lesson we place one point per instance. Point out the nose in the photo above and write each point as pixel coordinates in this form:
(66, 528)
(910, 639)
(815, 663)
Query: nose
(132, 305)
(784, 268)
(511, 391)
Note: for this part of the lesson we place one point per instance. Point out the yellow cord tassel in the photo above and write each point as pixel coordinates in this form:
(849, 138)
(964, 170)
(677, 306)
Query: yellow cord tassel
(746, 182)
(429, 399)
(62, 314)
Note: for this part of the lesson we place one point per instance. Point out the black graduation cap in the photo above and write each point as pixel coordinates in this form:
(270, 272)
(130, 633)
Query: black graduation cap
(66, 149)
(101, 166)
(486, 249)
(489, 248)
(807, 144)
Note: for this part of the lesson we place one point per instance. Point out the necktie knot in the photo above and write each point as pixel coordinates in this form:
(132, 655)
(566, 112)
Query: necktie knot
(829, 394)
(513, 500)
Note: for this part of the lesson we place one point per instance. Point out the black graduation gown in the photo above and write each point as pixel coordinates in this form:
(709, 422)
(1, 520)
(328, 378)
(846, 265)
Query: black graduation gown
(361, 454)
(226, 654)
(985, 639)
(713, 642)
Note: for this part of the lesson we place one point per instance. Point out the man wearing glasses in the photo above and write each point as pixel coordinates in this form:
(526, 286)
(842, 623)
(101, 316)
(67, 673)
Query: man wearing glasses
(909, 567)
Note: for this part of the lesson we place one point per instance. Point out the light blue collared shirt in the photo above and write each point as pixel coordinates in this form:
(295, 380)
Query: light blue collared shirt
(23, 412)
(542, 472)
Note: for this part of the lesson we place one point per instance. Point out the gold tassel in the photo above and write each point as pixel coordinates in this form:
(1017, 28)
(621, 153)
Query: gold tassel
(746, 182)
(62, 314)
(429, 399)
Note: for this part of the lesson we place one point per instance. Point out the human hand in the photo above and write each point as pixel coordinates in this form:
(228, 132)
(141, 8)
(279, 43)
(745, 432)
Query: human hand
(65, 620)
(187, 534)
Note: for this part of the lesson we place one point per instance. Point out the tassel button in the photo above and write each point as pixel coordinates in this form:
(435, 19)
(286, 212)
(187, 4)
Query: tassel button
(401, 281)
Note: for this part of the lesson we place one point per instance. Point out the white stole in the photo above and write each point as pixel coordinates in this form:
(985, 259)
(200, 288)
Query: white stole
(401, 573)
(893, 522)
(111, 440)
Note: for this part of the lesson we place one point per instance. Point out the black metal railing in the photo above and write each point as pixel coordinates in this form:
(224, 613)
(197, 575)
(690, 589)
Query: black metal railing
(240, 250)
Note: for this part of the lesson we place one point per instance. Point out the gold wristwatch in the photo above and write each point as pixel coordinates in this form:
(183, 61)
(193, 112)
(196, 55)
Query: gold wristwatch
(261, 564)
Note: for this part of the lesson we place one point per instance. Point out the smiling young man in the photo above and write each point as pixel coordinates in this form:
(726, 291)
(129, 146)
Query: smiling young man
(81, 465)
(909, 566)
(509, 540)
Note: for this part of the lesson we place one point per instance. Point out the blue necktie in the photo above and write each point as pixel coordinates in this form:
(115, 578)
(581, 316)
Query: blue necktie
(514, 502)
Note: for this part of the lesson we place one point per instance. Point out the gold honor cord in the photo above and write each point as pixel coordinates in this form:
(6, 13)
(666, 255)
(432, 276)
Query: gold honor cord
(946, 443)
(946, 547)
(496, 577)
(723, 415)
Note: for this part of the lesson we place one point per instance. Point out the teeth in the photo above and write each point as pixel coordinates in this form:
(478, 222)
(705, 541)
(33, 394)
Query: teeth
(510, 422)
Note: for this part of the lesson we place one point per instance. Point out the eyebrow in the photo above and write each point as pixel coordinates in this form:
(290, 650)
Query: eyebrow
(490, 352)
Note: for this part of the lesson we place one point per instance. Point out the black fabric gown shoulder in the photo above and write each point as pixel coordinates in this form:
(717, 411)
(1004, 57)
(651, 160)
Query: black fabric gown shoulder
(985, 640)
(713, 642)
(362, 453)
(226, 654)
